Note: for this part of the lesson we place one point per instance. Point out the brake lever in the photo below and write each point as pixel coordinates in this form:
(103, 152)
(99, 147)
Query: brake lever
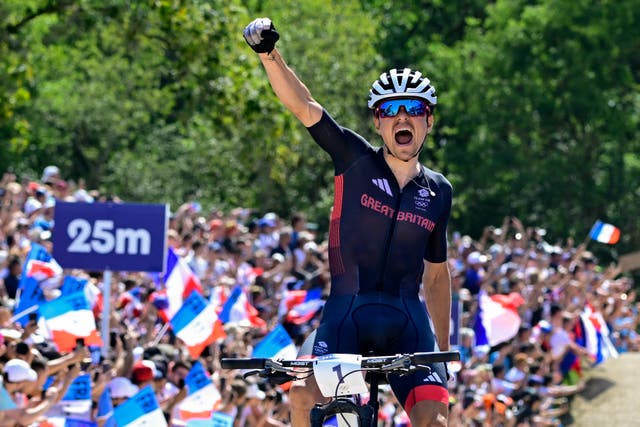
(422, 368)
(403, 362)
(280, 378)
(255, 372)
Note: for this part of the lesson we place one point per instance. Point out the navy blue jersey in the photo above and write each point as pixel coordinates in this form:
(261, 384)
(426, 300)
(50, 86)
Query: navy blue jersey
(380, 234)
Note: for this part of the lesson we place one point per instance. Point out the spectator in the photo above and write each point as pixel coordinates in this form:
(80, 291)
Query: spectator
(12, 279)
(559, 282)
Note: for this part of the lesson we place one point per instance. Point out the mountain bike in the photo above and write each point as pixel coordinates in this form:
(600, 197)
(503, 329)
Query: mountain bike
(343, 378)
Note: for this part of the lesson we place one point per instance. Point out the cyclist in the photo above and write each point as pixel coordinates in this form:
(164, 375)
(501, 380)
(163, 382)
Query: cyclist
(387, 233)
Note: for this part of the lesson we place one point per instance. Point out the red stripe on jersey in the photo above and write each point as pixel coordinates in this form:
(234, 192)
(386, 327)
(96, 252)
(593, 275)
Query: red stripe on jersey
(426, 392)
(335, 257)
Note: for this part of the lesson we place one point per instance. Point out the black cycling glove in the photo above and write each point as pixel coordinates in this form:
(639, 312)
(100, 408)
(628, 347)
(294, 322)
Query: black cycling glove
(261, 35)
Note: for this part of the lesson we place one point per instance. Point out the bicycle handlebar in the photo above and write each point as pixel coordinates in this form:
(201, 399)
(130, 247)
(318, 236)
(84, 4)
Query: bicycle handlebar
(369, 362)
(243, 363)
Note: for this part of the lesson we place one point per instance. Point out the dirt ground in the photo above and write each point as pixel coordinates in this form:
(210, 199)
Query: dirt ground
(612, 396)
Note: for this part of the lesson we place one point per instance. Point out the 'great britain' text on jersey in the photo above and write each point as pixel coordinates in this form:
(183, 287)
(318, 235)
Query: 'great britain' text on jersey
(380, 234)
(371, 203)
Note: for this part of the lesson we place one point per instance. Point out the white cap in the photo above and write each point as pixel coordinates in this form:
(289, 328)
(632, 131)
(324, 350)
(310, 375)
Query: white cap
(254, 392)
(50, 171)
(476, 257)
(120, 387)
(18, 370)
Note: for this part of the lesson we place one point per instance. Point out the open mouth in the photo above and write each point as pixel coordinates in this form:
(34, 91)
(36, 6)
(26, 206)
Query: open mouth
(403, 137)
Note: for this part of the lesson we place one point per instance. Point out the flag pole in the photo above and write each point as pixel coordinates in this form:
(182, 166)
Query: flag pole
(23, 313)
(106, 314)
(161, 333)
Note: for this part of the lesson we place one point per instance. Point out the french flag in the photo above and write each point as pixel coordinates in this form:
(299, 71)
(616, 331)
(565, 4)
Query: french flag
(303, 306)
(277, 344)
(43, 270)
(71, 285)
(497, 319)
(141, 410)
(197, 324)
(595, 336)
(179, 282)
(39, 267)
(605, 233)
(219, 295)
(238, 309)
(68, 318)
(203, 397)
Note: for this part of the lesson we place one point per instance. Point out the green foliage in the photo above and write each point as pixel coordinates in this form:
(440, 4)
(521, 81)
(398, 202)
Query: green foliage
(162, 101)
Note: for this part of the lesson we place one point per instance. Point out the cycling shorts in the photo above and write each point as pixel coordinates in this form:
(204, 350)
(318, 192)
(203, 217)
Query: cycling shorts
(382, 324)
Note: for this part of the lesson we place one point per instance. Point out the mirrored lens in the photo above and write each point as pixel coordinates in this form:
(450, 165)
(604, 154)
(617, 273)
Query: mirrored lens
(413, 107)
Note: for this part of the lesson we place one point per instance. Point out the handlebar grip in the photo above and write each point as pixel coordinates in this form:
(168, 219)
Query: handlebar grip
(243, 363)
(436, 357)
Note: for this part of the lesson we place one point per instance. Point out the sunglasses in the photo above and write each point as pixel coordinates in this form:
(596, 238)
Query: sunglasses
(413, 107)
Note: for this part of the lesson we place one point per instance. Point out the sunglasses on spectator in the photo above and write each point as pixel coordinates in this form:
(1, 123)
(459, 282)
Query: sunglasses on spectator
(413, 107)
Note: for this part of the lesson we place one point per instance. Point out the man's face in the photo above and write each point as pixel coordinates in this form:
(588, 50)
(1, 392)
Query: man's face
(403, 133)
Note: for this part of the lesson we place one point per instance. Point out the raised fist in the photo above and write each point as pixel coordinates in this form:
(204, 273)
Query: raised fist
(261, 35)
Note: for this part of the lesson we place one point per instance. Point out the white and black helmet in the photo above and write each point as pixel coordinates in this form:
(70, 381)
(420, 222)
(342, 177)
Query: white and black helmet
(402, 83)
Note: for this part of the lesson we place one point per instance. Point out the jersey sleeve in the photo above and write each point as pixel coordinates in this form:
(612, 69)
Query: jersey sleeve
(343, 145)
(437, 246)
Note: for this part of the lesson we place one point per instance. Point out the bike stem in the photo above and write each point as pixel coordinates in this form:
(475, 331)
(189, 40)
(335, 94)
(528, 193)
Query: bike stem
(373, 398)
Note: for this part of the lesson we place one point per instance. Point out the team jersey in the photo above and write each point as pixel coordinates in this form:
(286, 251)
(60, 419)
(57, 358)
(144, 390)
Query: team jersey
(379, 233)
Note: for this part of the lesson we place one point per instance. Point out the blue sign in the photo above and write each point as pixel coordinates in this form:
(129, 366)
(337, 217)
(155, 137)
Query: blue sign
(110, 236)
(190, 309)
(135, 408)
(79, 389)
(197, 378)
(272, 343)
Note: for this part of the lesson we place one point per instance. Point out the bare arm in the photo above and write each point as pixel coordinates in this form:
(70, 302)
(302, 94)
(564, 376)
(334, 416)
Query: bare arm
(436, 288)
(293, 94)
(262, 36)
(27, 416)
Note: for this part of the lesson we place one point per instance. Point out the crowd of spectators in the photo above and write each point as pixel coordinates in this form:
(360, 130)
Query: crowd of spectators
(520, 382)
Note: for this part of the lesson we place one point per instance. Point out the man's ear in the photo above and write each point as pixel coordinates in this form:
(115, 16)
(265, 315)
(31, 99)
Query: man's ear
(376, 123)
(429, 123)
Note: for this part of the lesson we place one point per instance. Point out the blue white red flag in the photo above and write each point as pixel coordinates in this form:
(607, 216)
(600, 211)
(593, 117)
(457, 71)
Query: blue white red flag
(304, 310)
(179, 282)
(605, 233)
(39, 267)
(219, 295)
(141, 410)
(68, 318)
(71, 285)
(497, 318)
(238, 309)
(276, 344)
(197, 324)
(203, 397)
(595, 336)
